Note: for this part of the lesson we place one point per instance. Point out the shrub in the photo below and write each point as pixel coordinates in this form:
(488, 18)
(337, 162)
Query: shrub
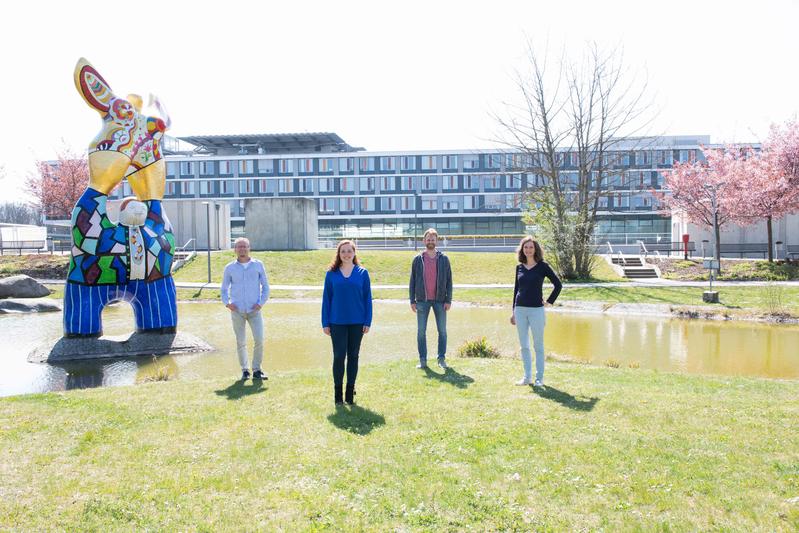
(612, 363)
(478, 348)
(162, 373)
(774, 298)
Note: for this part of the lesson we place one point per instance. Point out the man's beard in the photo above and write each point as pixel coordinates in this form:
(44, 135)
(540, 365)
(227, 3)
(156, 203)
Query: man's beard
(431, 246)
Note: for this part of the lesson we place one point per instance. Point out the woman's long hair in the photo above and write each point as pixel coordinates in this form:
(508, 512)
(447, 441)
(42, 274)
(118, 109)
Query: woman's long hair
(336, 262)
(538, 253)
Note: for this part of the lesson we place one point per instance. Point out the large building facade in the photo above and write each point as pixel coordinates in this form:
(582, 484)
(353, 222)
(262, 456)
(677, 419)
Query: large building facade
(360, 193)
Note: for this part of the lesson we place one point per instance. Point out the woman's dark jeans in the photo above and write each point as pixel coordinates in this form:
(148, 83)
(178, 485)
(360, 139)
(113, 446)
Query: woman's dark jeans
(346, 345)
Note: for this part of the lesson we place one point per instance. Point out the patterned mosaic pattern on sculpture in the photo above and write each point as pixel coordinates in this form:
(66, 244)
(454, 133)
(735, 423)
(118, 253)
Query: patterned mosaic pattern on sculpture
(101, 249)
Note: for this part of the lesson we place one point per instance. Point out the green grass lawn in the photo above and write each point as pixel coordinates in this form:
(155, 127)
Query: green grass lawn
(601, 449)
(385, 267)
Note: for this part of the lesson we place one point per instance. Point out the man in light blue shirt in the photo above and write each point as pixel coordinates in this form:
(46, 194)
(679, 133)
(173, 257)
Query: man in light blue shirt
(245, 289)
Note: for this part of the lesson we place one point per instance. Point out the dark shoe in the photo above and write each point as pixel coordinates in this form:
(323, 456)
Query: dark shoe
(443, 363)
(338, 396)
(422, 365)
(349, 395)
(258, 374)
(245, 375)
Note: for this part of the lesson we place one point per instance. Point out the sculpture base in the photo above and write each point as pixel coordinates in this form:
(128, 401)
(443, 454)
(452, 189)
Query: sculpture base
(134, 344)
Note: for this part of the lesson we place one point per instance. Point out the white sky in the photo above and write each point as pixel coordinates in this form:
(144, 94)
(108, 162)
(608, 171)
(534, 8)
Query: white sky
(383, 75)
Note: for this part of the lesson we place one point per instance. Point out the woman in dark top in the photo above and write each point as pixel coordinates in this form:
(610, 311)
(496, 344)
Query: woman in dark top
(528, 306)
(346, 315)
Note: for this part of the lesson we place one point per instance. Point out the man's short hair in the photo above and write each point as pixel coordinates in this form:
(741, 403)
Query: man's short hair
(430, 231)
(241, 239)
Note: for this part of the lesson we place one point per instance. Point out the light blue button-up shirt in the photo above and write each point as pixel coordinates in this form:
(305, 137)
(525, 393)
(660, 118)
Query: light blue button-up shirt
(245, 286)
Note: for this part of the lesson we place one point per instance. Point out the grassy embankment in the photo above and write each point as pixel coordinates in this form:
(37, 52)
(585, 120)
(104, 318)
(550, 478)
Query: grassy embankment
(391, 267)
(601, 449)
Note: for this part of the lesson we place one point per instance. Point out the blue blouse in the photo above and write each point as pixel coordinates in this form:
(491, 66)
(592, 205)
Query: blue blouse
(347, 300)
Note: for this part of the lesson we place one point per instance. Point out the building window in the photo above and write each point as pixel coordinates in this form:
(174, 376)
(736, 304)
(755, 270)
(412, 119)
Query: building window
(285, 185)
(429, 183)
(491, 182)
(346, 164)
(515, 181)
(492, 160)
(205, 187)
(225, 167)
(388, 204)
(170, 188)
(347, 204)
(367, 184)
(428, 162)
(470, 202)
(170, 168)
(429, 203)
(408, 162)
(449, 183)
(247, 166)
(642, 158)
(186, 168)
(266, 166)
(449, 162)
(513, 201)
(449, 203)
(367, 204)
(388, 184)
(306, 185)
(262, 186)
(366, 164)
(285, 166)
(471, 183)
(206, 168)
(327, 205)
(347, 184)
(187, 188)
(325, 165)
(227, 187)
(246, 186)
(471, 162)
(386, 163)
(493, 202)
(407, 203)
(326, 185)
(305, 165)
(408, 183)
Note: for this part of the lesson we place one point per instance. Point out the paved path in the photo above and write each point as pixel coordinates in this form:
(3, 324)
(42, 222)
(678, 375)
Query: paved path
(657, 283)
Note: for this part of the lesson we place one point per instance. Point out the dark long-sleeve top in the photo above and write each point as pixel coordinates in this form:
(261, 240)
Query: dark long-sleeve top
(347, 300)
(528, 290)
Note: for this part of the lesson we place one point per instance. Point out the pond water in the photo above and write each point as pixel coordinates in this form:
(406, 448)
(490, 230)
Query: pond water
(295, 341)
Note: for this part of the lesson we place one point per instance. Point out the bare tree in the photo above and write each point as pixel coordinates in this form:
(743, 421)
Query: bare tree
(573, 115)
(18, 213)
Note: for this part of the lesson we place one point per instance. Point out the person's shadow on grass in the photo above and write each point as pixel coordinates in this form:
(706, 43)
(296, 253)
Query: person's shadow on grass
(239, 389)
(451, 376)
(356, 419)
(566, 399)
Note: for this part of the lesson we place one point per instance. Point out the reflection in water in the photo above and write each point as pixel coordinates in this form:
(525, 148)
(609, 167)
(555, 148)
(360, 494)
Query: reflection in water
(294, 340)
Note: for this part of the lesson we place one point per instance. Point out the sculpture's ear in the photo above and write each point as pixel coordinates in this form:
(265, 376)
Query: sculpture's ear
(92, 87)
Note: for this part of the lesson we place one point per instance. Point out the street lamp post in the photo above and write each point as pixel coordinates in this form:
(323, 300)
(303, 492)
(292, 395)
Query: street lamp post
(415, 221)
(208, 235)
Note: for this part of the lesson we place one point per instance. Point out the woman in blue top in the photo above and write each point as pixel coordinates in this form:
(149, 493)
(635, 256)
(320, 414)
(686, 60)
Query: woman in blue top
(528, 306)
(346, 315)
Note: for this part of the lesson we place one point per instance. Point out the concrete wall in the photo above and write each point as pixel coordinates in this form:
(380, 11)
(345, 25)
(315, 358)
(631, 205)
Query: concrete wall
(281, 223)
(189, 220)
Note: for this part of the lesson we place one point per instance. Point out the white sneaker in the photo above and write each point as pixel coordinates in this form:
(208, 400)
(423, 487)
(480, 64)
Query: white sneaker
(524, 381)
(538, 383)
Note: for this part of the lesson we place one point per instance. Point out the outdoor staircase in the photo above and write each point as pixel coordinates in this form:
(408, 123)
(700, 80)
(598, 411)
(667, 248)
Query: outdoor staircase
(634, 268)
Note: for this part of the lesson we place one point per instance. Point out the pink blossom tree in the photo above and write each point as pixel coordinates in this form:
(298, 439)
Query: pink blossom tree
(705, 190)
(58, 184)
(769, 180)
